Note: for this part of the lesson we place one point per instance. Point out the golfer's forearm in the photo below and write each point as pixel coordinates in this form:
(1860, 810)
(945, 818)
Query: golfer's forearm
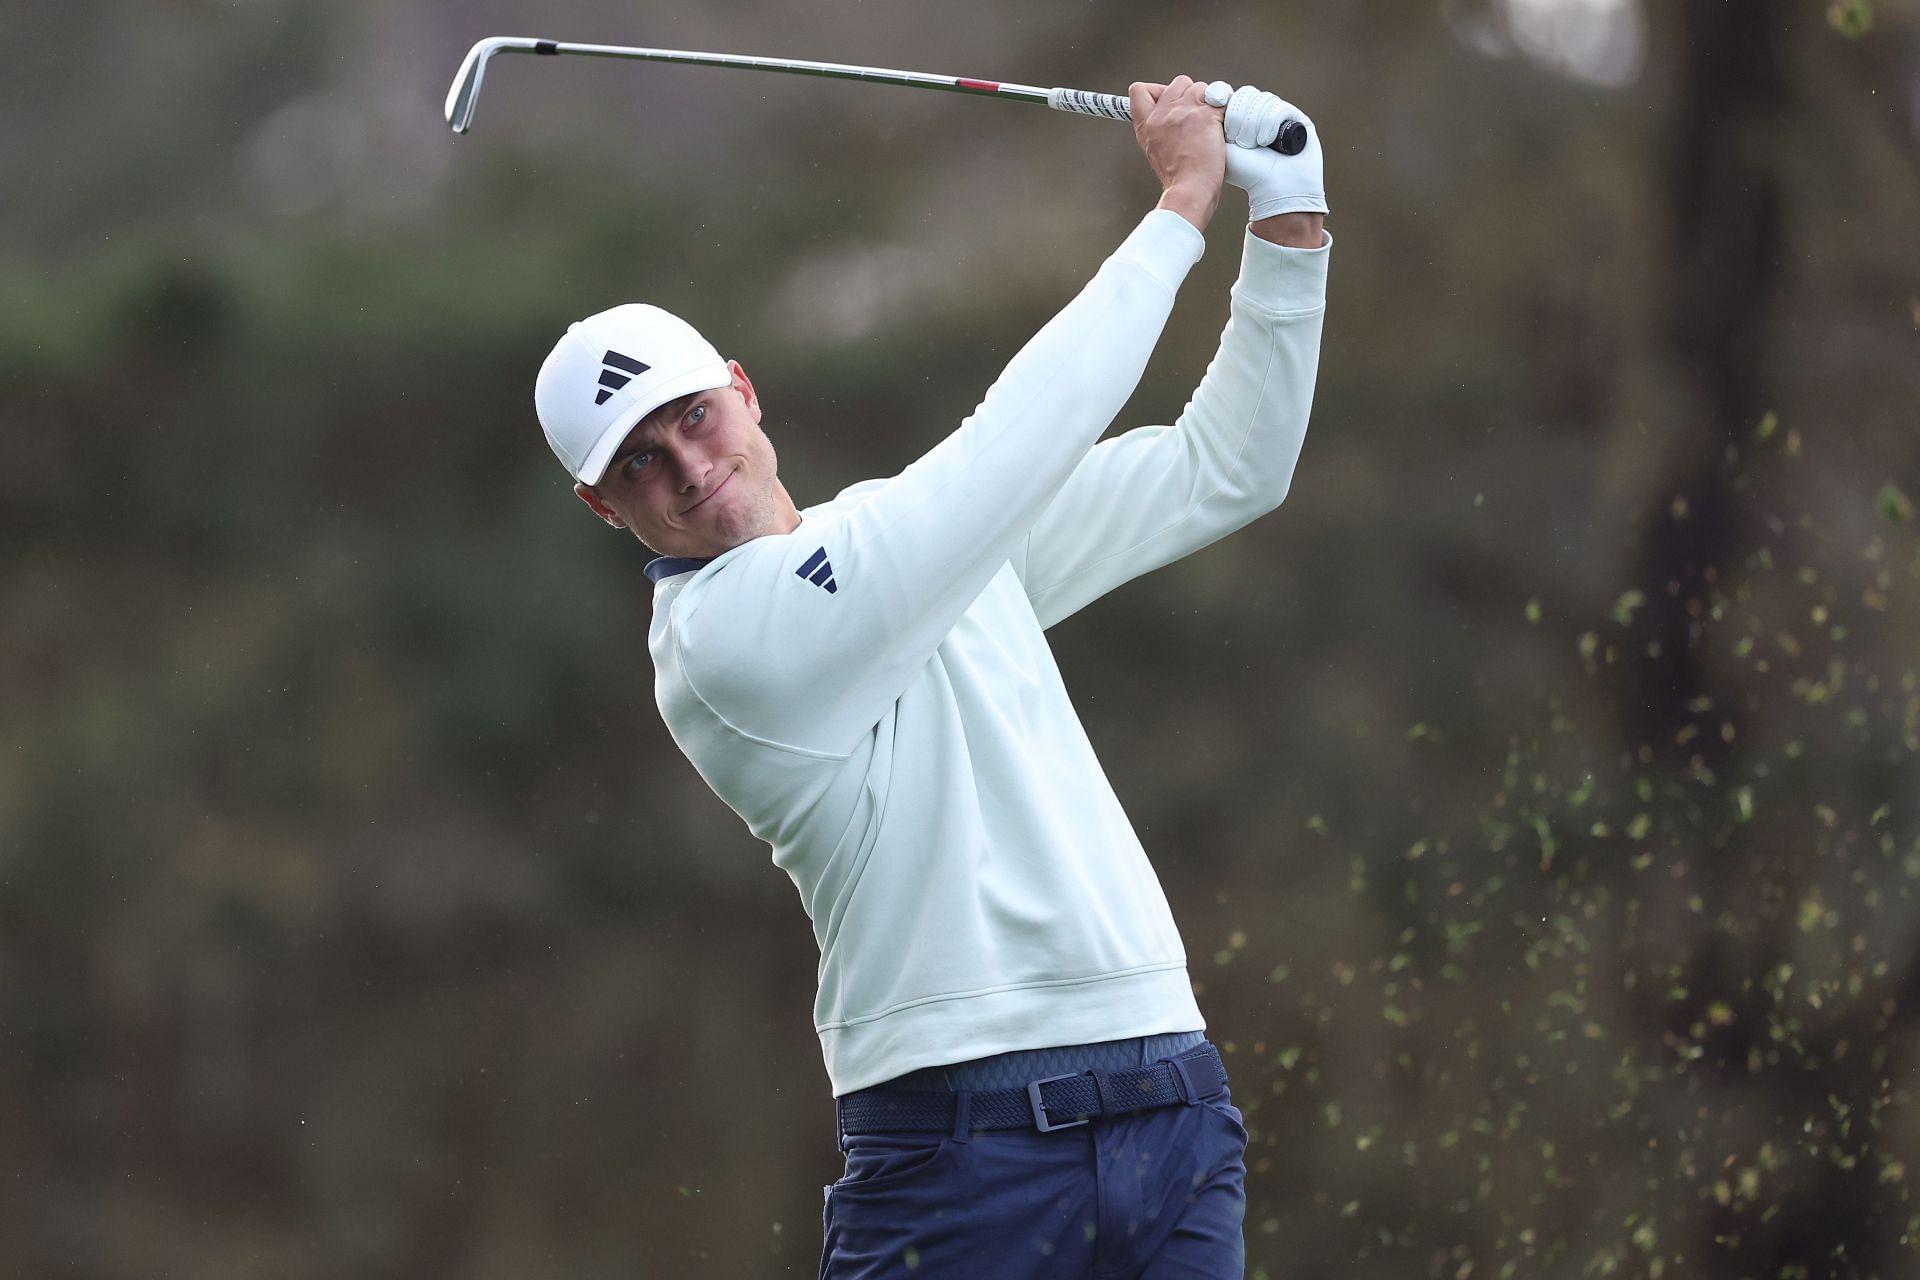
(1247, 421)
(1055, 397)
(1292, 230)
(1154, 494)
(950, 520)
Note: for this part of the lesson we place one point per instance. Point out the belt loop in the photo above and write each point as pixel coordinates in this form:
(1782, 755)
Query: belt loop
(1100, 1092)
(1183, 1082)
(963, 1115)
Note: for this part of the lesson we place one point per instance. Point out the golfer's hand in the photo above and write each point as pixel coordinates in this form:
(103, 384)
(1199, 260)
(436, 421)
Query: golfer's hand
(1275, 184)
(1181, 137)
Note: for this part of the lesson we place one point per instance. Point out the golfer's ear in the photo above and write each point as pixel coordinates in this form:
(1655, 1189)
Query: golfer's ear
(600, 508)
(744, 385)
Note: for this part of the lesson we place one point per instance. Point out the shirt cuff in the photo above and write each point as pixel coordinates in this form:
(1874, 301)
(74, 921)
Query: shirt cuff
(1278, 278)
(1164, 245)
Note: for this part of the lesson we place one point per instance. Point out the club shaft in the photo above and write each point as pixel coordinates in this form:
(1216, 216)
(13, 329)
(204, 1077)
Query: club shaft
(799, 67)
(465, 93)
(466, 87)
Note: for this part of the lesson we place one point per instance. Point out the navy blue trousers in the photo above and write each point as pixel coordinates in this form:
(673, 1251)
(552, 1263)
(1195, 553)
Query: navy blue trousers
(1154, 1194)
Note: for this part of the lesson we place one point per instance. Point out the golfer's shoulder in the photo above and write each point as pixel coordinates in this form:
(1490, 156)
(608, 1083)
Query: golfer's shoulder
(752, 593)
(851, 496)
(729, 600)
(745, 635)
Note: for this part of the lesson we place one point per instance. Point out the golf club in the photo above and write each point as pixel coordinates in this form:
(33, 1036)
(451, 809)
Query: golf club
(465, 93)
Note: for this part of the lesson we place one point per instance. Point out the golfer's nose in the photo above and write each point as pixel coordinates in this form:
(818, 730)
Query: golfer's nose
(692, 469)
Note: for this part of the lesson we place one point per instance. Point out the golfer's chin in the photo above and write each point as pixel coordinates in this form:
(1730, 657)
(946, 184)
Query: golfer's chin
(722, 531)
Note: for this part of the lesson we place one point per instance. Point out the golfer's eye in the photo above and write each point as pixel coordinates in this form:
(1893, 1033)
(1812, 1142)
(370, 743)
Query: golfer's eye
(638, 462)
(696, 415)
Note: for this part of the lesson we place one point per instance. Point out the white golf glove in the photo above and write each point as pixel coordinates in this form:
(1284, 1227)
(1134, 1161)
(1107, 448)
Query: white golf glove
(1274, 183)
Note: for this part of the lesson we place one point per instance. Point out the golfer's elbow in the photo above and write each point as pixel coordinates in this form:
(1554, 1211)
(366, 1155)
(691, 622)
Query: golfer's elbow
(1270, 495)
(1237, 505)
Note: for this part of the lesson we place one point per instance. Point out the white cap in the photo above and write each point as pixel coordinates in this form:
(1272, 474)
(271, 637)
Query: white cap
(611, 370)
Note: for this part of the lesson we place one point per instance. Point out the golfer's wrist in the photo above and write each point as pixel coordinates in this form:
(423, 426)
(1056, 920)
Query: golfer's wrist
(1193, 201)
(1294, 230)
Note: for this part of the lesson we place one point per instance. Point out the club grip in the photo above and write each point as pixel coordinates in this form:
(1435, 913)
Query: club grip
(1291, 141)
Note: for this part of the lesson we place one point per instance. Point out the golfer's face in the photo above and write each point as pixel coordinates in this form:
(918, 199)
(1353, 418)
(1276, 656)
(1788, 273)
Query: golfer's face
(696, 477)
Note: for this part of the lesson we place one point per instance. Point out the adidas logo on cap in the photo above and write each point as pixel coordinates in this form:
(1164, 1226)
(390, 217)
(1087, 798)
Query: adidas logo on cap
(611, 377)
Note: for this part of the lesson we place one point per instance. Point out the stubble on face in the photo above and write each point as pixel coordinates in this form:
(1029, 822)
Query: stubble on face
(745, 510)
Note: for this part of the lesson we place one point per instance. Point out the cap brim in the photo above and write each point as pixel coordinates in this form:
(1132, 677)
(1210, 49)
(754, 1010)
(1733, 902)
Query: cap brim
(704, 378)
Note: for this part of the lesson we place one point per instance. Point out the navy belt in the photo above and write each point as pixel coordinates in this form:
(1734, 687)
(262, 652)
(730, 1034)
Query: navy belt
(1057, 1102)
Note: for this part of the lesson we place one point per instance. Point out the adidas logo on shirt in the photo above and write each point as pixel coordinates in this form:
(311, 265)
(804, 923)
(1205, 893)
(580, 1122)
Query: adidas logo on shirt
(817, 571)
(611, 377)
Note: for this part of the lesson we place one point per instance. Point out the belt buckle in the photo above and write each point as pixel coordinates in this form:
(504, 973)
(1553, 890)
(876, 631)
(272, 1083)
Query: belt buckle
(1040, 1120)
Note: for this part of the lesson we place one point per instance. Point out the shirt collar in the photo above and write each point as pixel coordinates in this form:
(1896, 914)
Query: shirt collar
(671, 566)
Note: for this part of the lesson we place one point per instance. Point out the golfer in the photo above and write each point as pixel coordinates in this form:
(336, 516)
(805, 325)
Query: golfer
(1021, 1078)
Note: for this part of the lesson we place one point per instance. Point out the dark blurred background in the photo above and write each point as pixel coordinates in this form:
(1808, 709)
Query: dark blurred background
(1538, 790)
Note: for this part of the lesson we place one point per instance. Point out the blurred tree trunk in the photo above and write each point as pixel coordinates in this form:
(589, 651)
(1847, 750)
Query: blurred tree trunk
(1726, 179)
(1723, 283)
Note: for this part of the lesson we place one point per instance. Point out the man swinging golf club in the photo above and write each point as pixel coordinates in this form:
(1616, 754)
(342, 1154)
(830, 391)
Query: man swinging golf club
(1021, 1078)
